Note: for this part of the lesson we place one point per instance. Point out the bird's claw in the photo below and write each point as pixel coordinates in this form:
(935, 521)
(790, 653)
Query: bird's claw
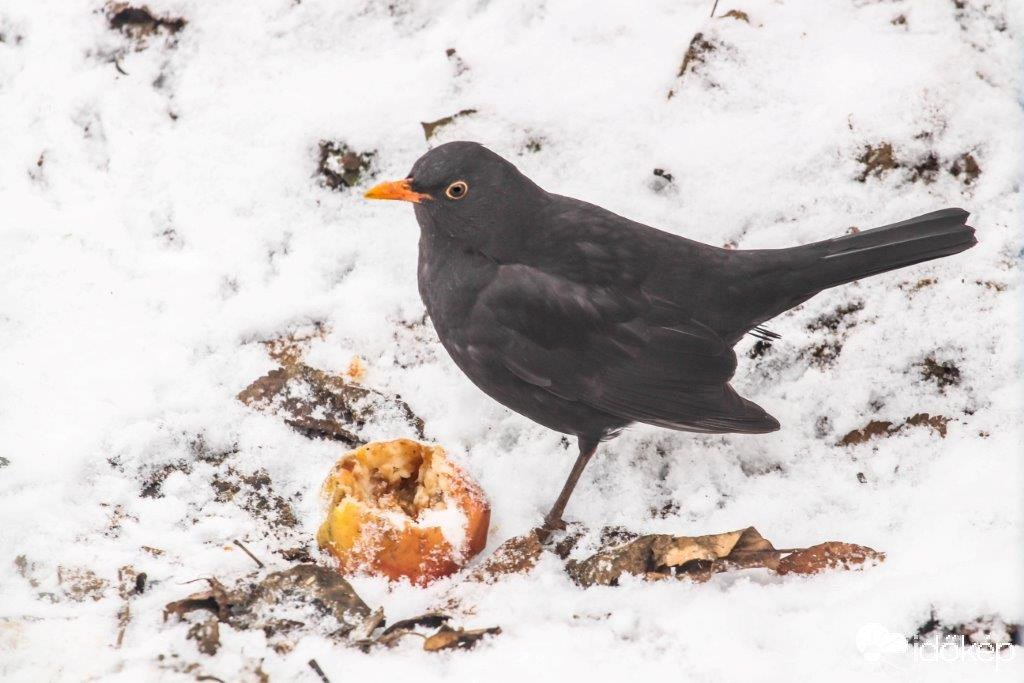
(554, 523)
(550, 526)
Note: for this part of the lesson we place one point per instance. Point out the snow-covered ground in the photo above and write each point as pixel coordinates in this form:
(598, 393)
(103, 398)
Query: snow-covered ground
(161, 212)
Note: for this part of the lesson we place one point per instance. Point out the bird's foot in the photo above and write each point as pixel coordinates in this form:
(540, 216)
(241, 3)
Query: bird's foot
(554, 524)
(551, 525)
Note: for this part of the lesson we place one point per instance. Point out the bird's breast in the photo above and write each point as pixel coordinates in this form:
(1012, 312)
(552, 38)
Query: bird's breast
(450, 281)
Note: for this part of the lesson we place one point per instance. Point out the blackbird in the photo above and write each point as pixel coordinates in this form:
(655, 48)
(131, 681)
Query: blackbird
(585, 321)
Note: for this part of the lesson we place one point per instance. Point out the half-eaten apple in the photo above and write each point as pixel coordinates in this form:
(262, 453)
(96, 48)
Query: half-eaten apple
(402, 509)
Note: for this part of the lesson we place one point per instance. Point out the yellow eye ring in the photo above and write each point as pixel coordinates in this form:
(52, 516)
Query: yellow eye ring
(457, 190)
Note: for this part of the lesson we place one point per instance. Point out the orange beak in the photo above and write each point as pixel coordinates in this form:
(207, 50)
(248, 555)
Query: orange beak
(398, 189)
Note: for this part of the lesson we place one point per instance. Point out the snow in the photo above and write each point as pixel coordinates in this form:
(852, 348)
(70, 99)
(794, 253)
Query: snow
(156, 224)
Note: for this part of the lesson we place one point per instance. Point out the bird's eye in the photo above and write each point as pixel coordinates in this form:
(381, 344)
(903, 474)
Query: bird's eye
(457, 190)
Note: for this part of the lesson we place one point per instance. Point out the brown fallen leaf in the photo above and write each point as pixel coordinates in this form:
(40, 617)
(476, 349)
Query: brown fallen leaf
(884, 428)
(830, 555)
(517, 555)
(402, 628)
(207, 636)
(80, 583)
(279, 603)
(430, 128)
(738, 15)
(130, 583)
(445, 637)
(450, 639)
(319, 404)
(217, 600)
(657, 557)
(428, 620)
(290, 348)
(697, 54)
(663, 556)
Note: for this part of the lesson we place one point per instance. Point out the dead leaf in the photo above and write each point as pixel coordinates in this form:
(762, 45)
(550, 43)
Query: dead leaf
(430, 128)
(830, 555)
(517, 555)
(369, 625)
(319, 404)
(449, 639)
(207, 636)
(80, 583)
(428, 620)
(663, 556)
(738, 15)
(697, 53)
(876, 161)
(402, 628)
(217, 600)
(884, 428)
(130, 584)
(444, 638)
(290, 348)
(281, 602)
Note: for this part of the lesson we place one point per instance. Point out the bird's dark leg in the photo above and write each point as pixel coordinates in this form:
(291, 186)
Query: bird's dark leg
(553, 520)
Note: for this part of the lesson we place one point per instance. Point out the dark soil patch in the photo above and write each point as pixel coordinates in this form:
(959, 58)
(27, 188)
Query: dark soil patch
(944, 374)
(879, 159)
(139, 22)
(341, 167)
(832, 321)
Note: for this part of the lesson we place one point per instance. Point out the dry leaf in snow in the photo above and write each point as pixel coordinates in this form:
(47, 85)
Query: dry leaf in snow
(304, 596)
(319, 404)
(662, 556)
(450, 639)
(517, 555)
(444, 638)
(207, 636)
(830, 555)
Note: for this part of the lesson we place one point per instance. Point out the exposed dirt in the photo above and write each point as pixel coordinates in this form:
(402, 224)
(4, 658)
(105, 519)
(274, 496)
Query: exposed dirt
(139, 23)
(879, 159)
(989, 630)
(944, 374)
(341, 167)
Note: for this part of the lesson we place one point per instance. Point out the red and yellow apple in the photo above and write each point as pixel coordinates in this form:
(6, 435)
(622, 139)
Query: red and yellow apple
(402, 509)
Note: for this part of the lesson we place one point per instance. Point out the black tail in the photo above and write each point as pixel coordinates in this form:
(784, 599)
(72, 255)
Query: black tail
(851, 257)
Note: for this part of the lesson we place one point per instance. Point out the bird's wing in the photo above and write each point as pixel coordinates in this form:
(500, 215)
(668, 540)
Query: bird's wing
(582, 327)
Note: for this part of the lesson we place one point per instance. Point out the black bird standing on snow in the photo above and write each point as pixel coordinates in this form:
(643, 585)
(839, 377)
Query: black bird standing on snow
(585, 321)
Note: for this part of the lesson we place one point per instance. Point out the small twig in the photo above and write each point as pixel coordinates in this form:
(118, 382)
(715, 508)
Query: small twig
(713, 8)
(246, 551)
(319, 672)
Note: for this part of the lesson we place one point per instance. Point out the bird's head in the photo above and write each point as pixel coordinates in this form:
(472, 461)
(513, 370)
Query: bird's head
(467, 192)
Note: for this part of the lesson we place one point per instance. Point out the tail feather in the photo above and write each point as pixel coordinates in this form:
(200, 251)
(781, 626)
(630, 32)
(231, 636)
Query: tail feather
(851, 257)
